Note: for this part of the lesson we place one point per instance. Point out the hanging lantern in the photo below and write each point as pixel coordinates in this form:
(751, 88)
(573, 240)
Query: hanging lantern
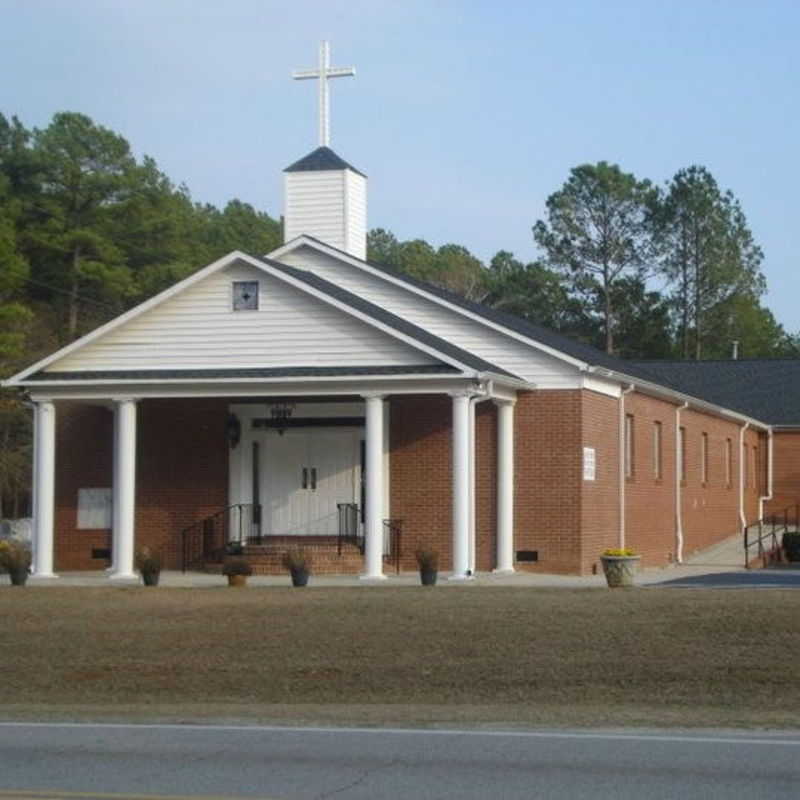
(280, 414)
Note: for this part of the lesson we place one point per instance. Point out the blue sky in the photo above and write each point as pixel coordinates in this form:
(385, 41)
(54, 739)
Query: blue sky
(465, 115)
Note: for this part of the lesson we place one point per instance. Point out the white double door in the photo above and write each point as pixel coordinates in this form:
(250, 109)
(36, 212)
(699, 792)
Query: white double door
(305, 473)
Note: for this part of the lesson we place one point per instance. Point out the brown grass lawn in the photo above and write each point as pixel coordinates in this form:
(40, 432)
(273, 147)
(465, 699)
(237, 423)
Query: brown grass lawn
(403, 655)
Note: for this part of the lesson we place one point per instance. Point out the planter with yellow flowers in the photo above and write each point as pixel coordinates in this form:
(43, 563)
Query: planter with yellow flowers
(620, 567)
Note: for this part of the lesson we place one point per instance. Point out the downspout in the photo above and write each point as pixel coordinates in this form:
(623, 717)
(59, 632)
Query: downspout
(486, 395)
(678, 478)
(622, 476)
(768, 496)
(742, 468)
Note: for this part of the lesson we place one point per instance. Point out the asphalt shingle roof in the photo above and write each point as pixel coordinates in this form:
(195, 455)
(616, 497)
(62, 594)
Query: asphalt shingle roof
(319, 160)
(767, 389)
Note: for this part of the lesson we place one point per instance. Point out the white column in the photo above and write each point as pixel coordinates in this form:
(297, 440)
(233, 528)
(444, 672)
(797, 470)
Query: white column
(114, 546)
(505, 486)
(373, 541)
(44, 480)
(461, 493)
(124, 488)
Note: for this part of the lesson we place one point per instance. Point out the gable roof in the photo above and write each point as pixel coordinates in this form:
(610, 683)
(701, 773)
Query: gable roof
(451, 356)
(575, 350)
(387, 318)
(320, 160)
(765, 388)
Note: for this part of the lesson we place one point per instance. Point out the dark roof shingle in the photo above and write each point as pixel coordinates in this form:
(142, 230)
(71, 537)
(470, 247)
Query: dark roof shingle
(319, 160)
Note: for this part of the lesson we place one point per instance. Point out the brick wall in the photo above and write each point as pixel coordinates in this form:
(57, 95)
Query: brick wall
(182, 476)
(786, 471)
(420, 465)
(181, 473)
(84, 449)
(710, 509)
(600, 497)
(547, 464)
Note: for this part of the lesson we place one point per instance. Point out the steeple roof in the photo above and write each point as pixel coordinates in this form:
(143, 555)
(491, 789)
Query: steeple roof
(323, 158)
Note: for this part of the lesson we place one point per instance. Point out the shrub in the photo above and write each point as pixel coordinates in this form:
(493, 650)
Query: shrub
(14, 555)
(148, 562)
(427, 560)
(236, 565)
(297, 559)
(619, 552)
(791, 546)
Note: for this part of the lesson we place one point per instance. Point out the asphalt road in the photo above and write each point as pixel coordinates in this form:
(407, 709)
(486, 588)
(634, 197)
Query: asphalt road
(125, 761)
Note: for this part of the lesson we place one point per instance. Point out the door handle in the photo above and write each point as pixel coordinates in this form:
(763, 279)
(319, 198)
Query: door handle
(314, 479)
(305, 477)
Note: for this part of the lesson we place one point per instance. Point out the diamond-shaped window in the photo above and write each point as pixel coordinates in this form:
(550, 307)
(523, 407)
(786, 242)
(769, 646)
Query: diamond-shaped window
(245, 296)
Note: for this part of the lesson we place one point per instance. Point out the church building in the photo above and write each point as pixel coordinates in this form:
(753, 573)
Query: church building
(308, 396)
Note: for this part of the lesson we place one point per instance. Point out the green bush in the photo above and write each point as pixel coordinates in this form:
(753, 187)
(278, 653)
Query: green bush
(791, 546)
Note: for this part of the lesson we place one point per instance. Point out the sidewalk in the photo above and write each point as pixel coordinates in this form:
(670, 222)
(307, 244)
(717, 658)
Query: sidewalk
(721, 566)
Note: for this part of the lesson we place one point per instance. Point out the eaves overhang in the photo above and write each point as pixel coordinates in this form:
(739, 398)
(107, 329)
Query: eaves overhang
(656, 390)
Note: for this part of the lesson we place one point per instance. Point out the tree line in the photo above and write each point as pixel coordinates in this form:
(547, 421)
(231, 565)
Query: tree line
(87, 231)
(637, 270)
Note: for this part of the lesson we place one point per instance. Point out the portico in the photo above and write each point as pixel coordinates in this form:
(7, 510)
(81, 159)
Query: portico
(341, 429)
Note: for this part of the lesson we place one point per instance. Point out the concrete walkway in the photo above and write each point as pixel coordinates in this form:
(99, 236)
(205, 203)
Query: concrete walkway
(720, 566)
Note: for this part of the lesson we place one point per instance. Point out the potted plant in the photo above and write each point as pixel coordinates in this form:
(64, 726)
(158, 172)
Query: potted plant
(148, 564)
(15, 559)
(237, 568)
(298, 562)
(791, 545)
(428, 563)
(619, 566)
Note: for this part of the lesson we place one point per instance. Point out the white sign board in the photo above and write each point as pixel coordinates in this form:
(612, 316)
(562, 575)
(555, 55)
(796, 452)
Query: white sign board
(94, 509)
(588, 463)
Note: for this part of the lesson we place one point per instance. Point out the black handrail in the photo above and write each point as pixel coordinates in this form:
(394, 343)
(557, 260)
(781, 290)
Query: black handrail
(393, 542)
(207, 539)
(768, 530)
(349, 527)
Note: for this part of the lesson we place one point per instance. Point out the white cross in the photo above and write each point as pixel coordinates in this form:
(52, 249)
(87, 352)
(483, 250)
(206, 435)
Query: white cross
(323, 72)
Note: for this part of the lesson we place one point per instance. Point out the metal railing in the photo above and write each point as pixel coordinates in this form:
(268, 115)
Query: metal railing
(393, 542)
(351, 531)
(765, 536)
(349, 527)
(209, 538)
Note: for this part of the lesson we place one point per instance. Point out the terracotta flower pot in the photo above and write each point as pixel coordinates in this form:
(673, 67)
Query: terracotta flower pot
(237, 580)
(620, 571)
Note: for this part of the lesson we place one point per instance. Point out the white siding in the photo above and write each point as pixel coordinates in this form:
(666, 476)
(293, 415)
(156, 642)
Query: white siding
(495, 347)
(315, 205)
(356, 215)
(197, 329)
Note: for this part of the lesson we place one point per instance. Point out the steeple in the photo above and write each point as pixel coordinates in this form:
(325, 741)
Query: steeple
(326, 197)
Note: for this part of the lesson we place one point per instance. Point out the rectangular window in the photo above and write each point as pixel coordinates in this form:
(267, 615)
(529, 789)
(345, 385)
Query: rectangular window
(245, 295)
(704, 458)
(728, 462)
(682, 454)
(629, 452)
(658, 468)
